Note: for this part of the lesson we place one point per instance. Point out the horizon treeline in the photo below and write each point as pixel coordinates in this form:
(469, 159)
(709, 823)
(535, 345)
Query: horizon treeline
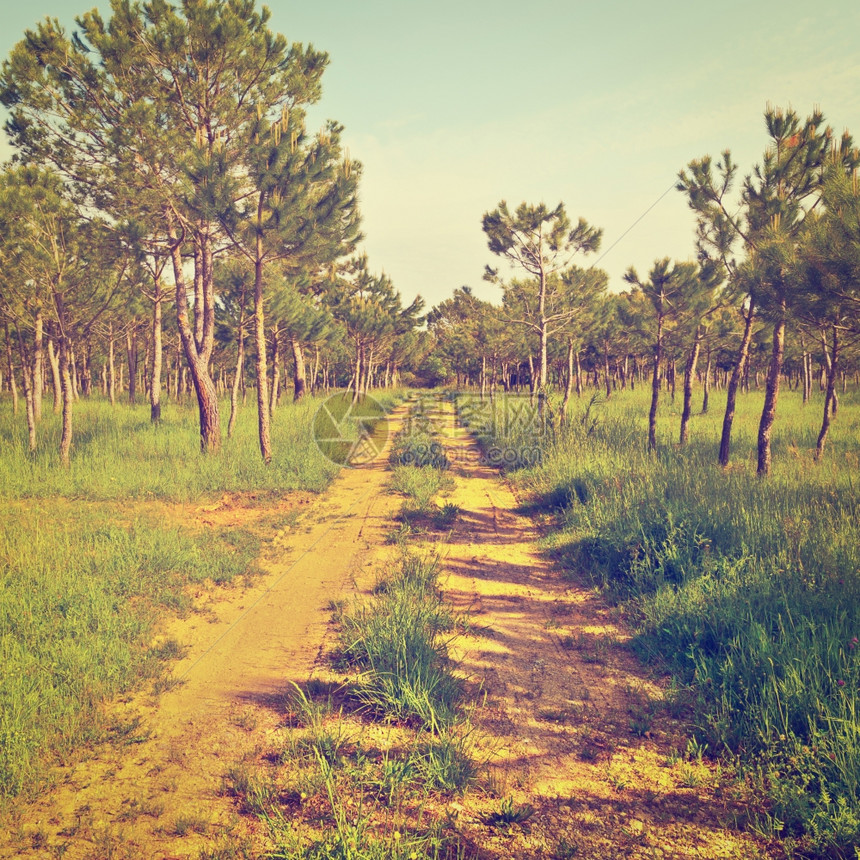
(772, 295)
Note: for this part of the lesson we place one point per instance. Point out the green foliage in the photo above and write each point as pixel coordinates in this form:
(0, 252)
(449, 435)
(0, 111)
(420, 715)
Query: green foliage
(444, 761)
(420, 484)
(395, 641)
(509, 813)
(418, 448)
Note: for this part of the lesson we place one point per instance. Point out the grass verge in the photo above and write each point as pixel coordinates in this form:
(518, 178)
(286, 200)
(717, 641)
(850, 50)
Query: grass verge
(118, 454)
(79, 603)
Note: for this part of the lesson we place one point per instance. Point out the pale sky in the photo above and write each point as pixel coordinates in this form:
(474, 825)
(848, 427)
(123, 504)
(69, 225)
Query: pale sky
(454, 106)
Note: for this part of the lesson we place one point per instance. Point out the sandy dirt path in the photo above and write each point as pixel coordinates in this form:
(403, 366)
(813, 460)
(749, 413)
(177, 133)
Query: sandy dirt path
(159, 794)
(571, 723)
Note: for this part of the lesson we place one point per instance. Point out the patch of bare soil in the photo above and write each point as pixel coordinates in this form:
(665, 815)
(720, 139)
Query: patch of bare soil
(157, 791)
(583, 758)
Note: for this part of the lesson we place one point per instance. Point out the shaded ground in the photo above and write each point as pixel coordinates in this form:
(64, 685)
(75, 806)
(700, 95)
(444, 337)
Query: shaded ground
(570, 723)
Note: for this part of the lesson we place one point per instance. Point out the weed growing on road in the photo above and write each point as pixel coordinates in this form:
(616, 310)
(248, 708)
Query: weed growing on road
(395, 642)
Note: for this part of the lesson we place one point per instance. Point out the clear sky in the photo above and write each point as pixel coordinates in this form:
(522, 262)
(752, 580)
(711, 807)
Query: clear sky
(454, 106)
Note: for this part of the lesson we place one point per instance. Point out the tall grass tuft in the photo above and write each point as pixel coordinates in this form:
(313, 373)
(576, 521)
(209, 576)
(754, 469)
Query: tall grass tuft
(396, 641)
(748, 590)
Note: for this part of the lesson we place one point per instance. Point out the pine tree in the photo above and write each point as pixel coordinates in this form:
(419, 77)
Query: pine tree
(668, 289)
(156, 109)
(543, 243)
(776, 200)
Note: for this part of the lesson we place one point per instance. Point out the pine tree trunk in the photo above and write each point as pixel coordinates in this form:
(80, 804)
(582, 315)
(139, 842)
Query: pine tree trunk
(316, 368)
(689, 372)
(263, 413)
(568, 388)
(768, 414)
(298, 370)
(68, 401)
(368, 370)
(356, 379)
(532, 386)
(26, 375)
(829, 395)
(238, 375)
(483, 377)
(732, 388)
(157, 357)
(199, 318)
(111, 367)
(706, 393)
(606, 371)
(54, 362)
(13, 388)
(74, 371)
(827, 370)
(86, 369)
(38, 365)
(66, 379)
(276, 370)
(131, 356)
(655, 388)
(197, 360)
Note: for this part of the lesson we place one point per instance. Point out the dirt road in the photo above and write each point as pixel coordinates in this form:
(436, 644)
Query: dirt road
(159, 793)
(569, 728)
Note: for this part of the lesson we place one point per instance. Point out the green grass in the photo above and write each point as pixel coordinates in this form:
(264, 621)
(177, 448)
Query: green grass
(396, 641)
(417, 444)
(84, 580)
(419, 466)
(420, 484)
(748, 590)
(117, 453)
(80, 597)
